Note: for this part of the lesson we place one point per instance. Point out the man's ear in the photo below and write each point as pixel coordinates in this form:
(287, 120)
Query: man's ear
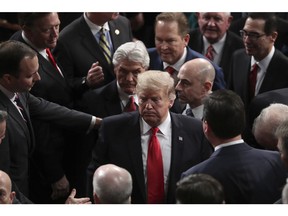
(12, 196)
(96, 199)
(7, 78)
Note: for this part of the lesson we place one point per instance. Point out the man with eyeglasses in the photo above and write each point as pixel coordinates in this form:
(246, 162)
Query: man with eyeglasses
(259, 35)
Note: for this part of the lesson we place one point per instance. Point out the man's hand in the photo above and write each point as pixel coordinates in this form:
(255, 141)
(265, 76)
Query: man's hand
(60, 188)
(72, 200)
(95, 75)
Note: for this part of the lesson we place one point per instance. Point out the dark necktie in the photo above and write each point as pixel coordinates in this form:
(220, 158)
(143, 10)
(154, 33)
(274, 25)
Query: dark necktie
(105, 46)
(130, 106)
(20, 107)
(170, 70)
(253, 80)
(155, 174)
(209, 53)
(189, 112)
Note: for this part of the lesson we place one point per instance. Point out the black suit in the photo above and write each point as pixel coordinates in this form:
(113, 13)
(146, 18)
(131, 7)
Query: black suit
(77, 49)
(18, 145)
(120, 143)
(232, 43)
(276, 75)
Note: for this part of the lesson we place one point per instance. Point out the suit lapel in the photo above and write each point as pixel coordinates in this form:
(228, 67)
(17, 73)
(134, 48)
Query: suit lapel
(112, 104)
(135, 150)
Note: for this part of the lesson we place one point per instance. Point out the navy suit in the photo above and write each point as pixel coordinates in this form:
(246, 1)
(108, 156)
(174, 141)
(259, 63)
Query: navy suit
(120, 143)
(276, 75)
(248, 175)
(77, 49)
(232, 43)
(19, 143)
(157, 64)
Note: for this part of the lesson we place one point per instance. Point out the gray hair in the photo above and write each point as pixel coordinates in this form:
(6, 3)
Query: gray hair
(3, 115)
(156, 81)
(132, 51)
(112, 184)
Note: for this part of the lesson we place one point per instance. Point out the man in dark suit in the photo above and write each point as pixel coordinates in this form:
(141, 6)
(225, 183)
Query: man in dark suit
(124, 139)
(259, 35)
(40, 31)
(129, 60)
(79, 52)
(248, 175)
(213, 30)
(171, 41)
(18, 73)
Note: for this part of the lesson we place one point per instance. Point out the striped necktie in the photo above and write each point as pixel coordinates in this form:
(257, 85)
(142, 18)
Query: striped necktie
(209, 54)
(105, 46)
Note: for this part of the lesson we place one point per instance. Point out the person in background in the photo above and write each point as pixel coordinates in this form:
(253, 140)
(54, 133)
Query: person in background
(266, 123)
(85, 49)
(213, 36)
(234, 163)
(6, 194)
(18, 73)
(199, 189)
(112, 185)
(124, 140)
(196, 78)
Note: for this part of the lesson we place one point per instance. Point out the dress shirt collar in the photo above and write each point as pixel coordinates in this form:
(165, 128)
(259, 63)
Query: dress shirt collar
(236, 142)
(179, 63)
(124, 98)
(264, 63)
(95, 28)
(218, 46)
(164, 127)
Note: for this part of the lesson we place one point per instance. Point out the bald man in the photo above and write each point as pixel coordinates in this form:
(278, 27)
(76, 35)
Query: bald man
(112, 185)
(6, 193)
(196, 79)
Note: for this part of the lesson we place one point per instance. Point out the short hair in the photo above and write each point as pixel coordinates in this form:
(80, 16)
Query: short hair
(112, 184)
(3, 116)
(199, 189)
(180, 18)
(270, 118)
(156, 81)
(270, 21)
(224, 113)
(11, 54)
(28, 19)
(132, 51)
(282, 133)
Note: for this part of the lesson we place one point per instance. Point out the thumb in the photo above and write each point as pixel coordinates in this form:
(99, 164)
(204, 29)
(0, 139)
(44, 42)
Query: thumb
(73, 193)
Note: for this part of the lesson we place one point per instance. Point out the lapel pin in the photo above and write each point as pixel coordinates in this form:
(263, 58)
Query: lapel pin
(180, 138)
(117, 32)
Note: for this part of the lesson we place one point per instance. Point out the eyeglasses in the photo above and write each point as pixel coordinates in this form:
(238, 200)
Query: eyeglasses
(252, 35)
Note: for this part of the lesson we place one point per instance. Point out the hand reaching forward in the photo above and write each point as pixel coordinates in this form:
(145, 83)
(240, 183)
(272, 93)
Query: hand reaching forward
(72, 200)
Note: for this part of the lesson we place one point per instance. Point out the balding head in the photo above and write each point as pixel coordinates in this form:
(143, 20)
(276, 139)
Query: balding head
(112, 185)
(6, 194)
(196, 79)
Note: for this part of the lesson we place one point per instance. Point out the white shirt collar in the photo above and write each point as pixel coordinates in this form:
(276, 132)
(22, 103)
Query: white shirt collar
(229, 144)
(179, 63)
(218, 46)
(124, 98)
(163, 127)
(264, 63)
(95, 28)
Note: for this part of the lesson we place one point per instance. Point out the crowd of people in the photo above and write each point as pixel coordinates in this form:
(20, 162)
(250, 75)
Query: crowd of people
(93, 112)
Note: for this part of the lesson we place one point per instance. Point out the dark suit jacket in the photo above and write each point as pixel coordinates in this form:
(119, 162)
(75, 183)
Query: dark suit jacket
(77, 49)
(120, 143)
(232, 43)
(50, 138)
(18, 145)
(157, 64)
(103, 102)
(248, 175)
(276, 75)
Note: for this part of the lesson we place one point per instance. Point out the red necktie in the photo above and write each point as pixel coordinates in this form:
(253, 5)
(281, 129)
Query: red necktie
(131, 106)
(51, 58)
(170, 70)
(253, 80)
(155, 175)
(209, 54)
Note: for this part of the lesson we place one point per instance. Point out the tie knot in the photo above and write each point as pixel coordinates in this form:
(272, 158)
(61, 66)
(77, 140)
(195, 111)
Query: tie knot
(254, 67)
(154, 130)
(170, 70)
(189, 112)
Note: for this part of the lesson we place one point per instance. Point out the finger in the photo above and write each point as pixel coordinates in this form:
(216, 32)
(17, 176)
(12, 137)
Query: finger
(73, 193)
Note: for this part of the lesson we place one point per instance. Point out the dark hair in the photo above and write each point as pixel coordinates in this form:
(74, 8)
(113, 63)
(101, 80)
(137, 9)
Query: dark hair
(28, 19)
(270, 21)
(11, 54)
(225, 114)
(199, 189)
